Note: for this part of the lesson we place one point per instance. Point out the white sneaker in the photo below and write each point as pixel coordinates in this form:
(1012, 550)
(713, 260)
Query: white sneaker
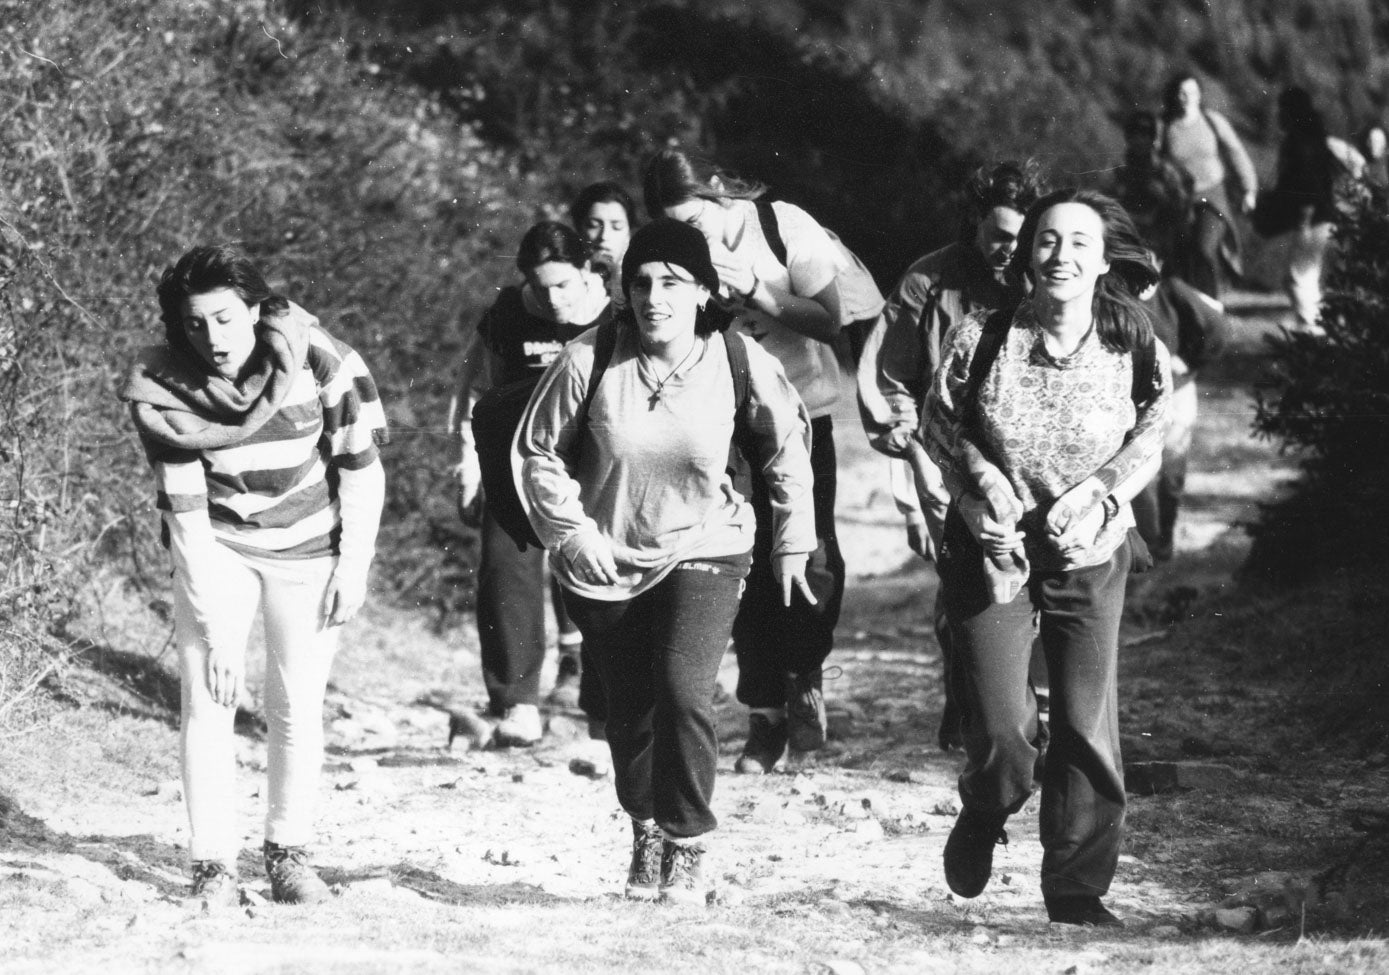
(520, 727)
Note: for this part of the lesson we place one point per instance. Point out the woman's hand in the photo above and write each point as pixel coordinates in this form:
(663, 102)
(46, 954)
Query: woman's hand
(592, 562)
(346, 593)
(790, 572)
(1075, 505)
(735, 273)
(469, 493)
(1081, 534)
(226, 675)
(995, 538)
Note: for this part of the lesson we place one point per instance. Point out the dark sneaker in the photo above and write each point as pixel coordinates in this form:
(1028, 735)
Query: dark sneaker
(292, 880)
(969, 852)
(644, 875)
(214, 886)
(682, 874)
(765, 745)
(565, 693)
(805, 711)
(1083, 910)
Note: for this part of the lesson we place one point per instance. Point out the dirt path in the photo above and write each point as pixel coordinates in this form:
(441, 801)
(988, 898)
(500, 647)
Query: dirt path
(449, 860)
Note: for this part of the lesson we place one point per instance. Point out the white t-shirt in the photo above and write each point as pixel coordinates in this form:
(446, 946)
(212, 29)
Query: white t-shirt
(812, 264)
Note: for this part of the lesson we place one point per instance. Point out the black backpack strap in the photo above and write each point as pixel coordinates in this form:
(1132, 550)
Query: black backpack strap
(604, 344)
(771, 229)
(1144, 361)
(991, 339)
(742, 380)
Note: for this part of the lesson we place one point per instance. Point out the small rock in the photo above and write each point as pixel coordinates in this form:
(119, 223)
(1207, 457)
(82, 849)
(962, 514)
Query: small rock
(982, 936)
(170, 790)
(868, 831)
(833, 907)
(899, 775)
(853, 809)
(588, 768)
(344, 785)
(946, 807)
(730, 897)
(252, 898)
(1239, 919)
(1166, 931)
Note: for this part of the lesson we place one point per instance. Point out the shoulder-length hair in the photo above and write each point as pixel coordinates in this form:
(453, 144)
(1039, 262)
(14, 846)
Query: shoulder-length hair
(211, 267)
(1121, 321)
(673, 176)
(1171, 106)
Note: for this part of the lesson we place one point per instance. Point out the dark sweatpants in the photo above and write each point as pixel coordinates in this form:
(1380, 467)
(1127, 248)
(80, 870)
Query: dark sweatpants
(773, 640)
(658, 655)
(1082, 812)
(511, 624)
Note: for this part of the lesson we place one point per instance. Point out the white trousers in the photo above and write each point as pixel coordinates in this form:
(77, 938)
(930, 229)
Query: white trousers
(299, 651)
(1307, 251)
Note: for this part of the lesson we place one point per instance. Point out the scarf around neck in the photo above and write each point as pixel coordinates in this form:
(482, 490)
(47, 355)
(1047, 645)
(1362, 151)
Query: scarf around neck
(176, 400)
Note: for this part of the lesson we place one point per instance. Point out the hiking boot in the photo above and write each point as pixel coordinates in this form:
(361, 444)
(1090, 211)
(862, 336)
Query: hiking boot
(520, 727)
(292, 880)
(765, 745)
(682, 874)
(969, 852)
(805, 711)
(214, 886)
(644, 875)
(1084, 910)
(565, 693)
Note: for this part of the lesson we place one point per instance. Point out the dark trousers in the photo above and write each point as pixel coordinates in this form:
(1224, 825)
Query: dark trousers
(1214, 244)
(1082, 812)
(658, 655)
(511, 623)
(773, 640)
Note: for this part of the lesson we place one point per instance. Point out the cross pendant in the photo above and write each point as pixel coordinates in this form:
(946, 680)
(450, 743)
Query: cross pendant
(652, 400)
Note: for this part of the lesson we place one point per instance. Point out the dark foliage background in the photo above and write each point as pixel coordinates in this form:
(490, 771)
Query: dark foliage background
(382, 159)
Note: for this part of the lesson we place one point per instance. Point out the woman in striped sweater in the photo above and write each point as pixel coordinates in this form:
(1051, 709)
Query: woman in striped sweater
(262, 431)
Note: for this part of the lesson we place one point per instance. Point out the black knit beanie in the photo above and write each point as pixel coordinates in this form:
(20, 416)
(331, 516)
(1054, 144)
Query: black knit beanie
(669, 241)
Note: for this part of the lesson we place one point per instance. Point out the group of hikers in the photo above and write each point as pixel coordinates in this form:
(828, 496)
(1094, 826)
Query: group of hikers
(647, 438)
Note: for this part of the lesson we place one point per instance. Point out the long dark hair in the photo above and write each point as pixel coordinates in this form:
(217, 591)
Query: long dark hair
(552, 241)
(673, 176)
(1121, 321)
(1171, 105)
(205, 268)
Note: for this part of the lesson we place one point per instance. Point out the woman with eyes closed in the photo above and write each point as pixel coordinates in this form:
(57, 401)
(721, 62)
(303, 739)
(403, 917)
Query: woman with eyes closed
(262, 431)
(628, 487)
(606, 216)
(1042, 443)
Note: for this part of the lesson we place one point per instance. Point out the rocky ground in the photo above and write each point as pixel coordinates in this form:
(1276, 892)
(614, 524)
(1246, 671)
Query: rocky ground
(1244, 850)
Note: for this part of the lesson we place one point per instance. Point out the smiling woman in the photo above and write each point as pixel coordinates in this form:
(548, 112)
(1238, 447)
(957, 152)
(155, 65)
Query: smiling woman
(648, 535)
(262, 431)
(1045, 422)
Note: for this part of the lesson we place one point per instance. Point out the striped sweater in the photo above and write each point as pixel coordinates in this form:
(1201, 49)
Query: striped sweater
(274, 494)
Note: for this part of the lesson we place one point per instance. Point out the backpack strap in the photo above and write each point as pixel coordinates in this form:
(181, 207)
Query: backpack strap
(771, 229)
(604, 344)
(742, 392)
(991, 339)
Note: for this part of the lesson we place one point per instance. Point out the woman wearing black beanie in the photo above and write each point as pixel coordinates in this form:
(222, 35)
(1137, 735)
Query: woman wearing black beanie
(624, 456)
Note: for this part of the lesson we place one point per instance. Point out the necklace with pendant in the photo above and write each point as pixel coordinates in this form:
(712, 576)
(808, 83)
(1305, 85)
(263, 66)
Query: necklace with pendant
(655, 396)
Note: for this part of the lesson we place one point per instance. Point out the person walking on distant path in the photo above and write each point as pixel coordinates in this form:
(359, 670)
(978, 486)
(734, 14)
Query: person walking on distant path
(903, 348)
(624, 456)
(516, 340)
(1193, 328)
(605, 215)
(1202, 143)
(1157, 194)
(791, 308)
(262, 431)
(1045, 422)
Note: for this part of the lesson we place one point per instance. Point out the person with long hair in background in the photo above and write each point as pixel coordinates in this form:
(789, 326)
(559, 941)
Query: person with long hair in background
(605, 215)
(1045, 423)
(517, 338)
(1203, 144)
(262, 431)
(791, 308)
(903, 349)
(625, 467)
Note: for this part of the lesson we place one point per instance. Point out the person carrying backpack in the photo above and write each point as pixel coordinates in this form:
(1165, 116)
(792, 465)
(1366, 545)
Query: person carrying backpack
(517, 338)
(792, 308)
(1045, 423)
(624, 465)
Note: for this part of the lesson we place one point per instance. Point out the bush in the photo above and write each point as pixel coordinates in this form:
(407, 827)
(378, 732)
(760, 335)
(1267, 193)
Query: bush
(1329, 396)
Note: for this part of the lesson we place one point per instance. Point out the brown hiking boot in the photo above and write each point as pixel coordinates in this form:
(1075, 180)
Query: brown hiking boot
(644, 874)
(292, 880)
